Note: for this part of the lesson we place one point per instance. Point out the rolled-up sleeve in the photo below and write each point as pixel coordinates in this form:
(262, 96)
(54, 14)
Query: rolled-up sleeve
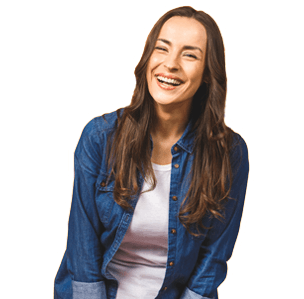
(79, 275)
(188, 294)
(211, 267)
(91, 290)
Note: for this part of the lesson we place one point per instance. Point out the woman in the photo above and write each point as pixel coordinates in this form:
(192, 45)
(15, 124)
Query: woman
(159, 186)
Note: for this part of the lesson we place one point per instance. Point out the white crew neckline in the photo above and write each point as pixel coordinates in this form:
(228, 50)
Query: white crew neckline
(160, 167)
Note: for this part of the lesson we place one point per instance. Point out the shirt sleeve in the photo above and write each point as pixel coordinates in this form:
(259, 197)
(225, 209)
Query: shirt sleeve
(79, 275)
(211, 267)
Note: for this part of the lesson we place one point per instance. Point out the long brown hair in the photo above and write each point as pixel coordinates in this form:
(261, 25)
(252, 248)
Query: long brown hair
(130, 147)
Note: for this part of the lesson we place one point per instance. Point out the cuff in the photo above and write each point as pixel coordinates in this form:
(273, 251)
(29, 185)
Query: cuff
(89, 290)
(188, 294)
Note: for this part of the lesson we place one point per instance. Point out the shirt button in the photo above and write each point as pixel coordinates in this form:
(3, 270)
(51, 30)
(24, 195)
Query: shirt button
(165, 288)
(102, 184)
(175, 148)
(176, 165)
(174, 198)
(171, 264)
(173, 231)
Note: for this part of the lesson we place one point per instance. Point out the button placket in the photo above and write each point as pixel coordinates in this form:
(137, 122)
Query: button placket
(173, 208)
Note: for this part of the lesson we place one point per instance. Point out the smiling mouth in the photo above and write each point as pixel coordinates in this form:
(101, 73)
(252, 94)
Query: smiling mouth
(168, 81)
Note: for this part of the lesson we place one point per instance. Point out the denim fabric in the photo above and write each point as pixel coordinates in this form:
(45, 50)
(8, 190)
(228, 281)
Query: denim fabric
(92, 290)
(196, 265)
(188, 294)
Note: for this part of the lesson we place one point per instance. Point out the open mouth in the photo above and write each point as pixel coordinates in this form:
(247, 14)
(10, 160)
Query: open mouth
(168, 81)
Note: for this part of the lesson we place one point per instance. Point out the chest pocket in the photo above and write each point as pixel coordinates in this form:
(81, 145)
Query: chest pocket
(104, 197)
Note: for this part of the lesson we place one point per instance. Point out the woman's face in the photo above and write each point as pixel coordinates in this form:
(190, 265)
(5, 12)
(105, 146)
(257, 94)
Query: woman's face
(176, 66)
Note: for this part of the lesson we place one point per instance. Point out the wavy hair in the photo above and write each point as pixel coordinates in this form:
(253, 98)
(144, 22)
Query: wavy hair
(129, 153)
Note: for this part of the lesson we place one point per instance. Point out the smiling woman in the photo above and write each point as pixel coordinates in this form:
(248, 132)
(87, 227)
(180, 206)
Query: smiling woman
(178, 61)
(159, 185)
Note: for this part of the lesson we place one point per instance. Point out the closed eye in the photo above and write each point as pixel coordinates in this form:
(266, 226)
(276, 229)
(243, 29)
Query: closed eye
(190, 55)
(160, 48)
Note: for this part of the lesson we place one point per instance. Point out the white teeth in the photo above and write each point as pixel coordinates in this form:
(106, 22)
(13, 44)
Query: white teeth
(168, 80)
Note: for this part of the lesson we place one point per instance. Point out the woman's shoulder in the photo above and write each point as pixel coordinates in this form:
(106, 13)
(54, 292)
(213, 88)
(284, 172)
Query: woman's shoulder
(239, 151)
(105, 122)
(96, 132)
(102, 125)
(238, 142)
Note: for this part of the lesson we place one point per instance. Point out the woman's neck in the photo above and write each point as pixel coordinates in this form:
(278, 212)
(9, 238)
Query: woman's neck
(170, 122)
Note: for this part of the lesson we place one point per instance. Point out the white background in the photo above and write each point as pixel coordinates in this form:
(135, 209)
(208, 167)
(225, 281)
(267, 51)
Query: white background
(58, 255)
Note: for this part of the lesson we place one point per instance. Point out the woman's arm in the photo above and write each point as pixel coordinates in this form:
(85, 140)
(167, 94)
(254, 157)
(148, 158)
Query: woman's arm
(79, 275)
(211, 267)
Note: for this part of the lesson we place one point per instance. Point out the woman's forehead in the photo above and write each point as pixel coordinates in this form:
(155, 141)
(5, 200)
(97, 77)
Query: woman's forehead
(183, 30)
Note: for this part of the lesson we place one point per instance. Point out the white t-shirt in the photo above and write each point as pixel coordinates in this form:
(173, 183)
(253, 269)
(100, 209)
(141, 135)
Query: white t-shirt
(139, 264)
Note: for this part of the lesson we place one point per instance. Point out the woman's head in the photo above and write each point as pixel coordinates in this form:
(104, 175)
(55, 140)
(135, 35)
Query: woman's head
(175, 68)
(212, 70)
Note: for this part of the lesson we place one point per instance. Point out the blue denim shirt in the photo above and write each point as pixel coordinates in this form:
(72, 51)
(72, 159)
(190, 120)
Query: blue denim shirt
(196, 266)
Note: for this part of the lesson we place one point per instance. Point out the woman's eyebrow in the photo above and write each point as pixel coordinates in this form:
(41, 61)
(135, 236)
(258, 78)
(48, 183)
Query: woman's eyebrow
(185, 47)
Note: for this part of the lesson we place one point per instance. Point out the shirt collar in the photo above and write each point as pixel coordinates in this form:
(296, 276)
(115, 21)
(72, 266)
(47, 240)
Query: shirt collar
(186, 142)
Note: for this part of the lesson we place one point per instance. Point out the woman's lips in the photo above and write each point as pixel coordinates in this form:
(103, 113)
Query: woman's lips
(165, 86)
(169, 76)
(162, 78)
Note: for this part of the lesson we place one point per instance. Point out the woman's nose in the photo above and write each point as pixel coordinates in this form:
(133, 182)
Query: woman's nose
(171, 62)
